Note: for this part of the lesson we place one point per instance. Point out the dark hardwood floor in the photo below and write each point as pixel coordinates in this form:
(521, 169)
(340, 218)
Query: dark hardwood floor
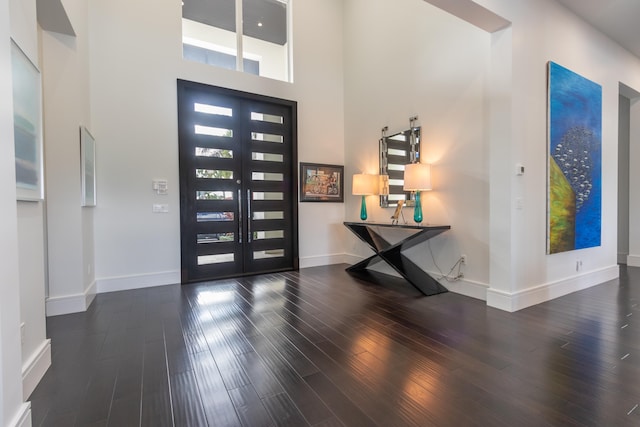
(319, 348)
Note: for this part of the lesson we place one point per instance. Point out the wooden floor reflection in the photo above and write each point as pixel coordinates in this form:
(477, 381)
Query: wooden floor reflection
(320, 348)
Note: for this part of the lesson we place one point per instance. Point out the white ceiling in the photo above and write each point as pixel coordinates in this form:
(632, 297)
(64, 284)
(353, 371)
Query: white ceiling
(618, 19)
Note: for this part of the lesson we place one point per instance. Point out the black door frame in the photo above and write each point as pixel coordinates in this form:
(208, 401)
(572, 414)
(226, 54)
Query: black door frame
(292, 181)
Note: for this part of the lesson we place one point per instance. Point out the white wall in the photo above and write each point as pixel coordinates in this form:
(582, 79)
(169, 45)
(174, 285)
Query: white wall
(13, 410)
(36, 349)
(544, 31)
(410, 58)
(65, 63)
(624, 126)
(634, 176)
(134, 119)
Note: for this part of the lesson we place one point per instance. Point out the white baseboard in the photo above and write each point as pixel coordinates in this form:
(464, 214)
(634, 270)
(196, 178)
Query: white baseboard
(35, 367)
(55, 306)
(538, 294)
(351, 259)
(633, 260)
(315, 261)
(66, 304)
(622, 258)
(138, 281)
(467, 288)
(90, 294)
(23, 417)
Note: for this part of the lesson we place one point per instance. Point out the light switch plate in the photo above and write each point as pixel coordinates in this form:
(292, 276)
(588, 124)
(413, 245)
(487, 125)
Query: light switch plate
(160, 186)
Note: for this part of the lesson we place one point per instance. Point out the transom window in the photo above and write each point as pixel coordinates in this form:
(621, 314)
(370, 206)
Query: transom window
(210, 34)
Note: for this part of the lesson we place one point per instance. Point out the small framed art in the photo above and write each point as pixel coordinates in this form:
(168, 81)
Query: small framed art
(321, 183)
(27, 126)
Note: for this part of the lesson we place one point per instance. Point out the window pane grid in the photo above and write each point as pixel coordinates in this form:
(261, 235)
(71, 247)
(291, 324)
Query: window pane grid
(214, 195)
(214, 152)
(212, 109)
(215, 259)
(267, 137)
(214, 216)
(267, 157)
(210, 35)
(213, 131)
(214, 174)
(215, 238)
(269, 253)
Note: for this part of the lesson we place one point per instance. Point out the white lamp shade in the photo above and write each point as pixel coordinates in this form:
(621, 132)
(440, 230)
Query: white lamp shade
(365, 184)
(417, 177)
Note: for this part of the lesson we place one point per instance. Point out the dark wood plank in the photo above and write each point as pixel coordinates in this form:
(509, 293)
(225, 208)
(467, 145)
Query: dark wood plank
(187, 403)
(125, 412)
(97, 400)
(306, 400)
(265, 383)
(340, 404)
(129, 380)
(250, 409)
(156, 396)
(217, 403)
(284, 411)
(157, 409)
(319, 348)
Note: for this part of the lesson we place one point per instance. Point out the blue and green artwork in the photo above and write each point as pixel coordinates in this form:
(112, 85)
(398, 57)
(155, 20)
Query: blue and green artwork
(574, 211)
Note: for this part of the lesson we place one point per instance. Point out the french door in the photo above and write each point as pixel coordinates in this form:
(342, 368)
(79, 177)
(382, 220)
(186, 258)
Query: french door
(237, 183)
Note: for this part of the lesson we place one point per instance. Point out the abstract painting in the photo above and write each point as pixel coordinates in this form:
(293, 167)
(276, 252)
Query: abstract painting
(574, 175)
(27, 125)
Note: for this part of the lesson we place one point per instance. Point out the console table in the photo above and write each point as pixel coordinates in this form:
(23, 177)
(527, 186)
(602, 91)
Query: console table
(391, 253)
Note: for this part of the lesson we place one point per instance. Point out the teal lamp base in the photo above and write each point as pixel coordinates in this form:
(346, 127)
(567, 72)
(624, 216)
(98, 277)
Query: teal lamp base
(363, 209)
(417, 211)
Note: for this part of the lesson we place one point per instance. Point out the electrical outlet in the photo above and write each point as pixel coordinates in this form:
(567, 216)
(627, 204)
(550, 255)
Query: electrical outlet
(463, 259)
(160, 208)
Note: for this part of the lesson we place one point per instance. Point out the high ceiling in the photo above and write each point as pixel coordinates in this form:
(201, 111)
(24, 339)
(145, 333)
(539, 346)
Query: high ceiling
(618, 19)
(615, 18)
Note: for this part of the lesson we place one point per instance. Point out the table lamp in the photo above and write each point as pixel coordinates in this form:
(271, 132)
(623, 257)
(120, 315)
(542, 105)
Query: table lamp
(417, 177)
(365, 185)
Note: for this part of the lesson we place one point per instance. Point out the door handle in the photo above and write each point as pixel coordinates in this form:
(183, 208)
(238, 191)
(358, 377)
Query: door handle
(239, 215)
(248, 215)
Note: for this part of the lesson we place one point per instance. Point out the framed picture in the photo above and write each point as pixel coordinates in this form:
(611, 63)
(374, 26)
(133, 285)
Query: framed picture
(88, 167)
(27, 126)
(321, 183)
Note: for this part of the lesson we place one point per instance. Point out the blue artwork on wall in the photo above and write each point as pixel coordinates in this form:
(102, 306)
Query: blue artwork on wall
(574, 196)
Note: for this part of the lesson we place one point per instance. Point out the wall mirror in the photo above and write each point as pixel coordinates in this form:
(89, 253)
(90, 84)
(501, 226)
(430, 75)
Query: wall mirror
(396, 151)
